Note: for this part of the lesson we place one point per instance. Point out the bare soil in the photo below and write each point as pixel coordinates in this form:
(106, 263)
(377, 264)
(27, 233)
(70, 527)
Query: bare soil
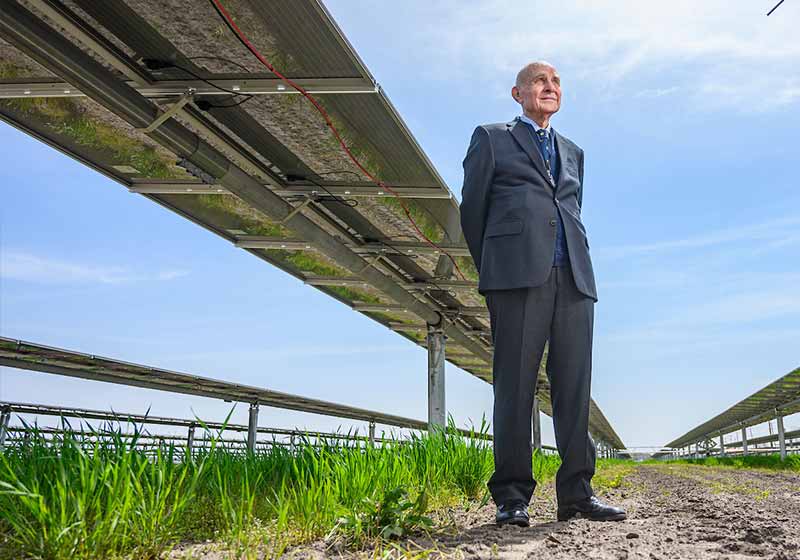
(674, 511)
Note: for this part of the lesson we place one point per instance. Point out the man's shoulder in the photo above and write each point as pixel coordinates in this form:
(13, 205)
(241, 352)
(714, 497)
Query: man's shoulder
(493, 128)
(570, 143)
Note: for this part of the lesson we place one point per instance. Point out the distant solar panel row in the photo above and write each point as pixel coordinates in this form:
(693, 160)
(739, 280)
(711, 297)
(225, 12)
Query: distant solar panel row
(779, 398)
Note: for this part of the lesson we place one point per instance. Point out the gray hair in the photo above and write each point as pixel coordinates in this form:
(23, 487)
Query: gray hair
(525, 76)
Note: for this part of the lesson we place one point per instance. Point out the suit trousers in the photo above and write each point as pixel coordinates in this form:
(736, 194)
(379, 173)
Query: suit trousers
(522, 321)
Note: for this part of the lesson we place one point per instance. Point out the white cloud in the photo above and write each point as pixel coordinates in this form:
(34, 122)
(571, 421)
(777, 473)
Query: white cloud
(657, 92)
(716, 53)
(775, 233)
(20, 265)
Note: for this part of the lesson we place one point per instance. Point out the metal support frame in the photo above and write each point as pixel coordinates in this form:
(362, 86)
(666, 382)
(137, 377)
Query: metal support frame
(437, 409)
(397, 247)
(781, 435)
(293, 190)
(372, 432)
(168, 88)
(296, 209)
(5, 420)
(744, 440)
(252, 427)
(721, 445)
(190, 440)
(536, 425)
(170, 111)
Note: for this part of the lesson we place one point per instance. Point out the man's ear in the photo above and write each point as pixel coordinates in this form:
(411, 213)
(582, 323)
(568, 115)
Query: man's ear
(515, 94)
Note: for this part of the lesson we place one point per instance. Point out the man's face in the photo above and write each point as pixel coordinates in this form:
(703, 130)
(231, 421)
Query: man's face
(542, 95)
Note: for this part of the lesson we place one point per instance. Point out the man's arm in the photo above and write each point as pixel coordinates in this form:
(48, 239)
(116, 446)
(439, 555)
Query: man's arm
(478, 173)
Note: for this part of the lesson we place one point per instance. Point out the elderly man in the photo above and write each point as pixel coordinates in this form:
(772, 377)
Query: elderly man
(521, 217)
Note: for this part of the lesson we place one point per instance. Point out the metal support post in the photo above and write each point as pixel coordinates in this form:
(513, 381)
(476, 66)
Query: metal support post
(5, 420)
(536, 425)
(372, 432)
(252, 427)
(437, 411)
(781, 435)
(744, 440)
(721, 446)
(190, 441)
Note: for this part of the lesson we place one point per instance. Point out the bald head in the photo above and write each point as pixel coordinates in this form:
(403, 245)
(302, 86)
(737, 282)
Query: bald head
(529, 71)
(538, 90)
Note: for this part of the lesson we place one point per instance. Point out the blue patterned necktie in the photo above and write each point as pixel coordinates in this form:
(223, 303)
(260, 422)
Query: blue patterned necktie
(546, 149)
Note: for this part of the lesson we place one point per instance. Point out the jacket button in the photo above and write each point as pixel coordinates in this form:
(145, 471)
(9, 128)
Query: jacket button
(553, 222)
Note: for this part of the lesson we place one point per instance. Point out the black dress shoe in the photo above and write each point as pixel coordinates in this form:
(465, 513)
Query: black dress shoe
(591, 508)
(515, 513)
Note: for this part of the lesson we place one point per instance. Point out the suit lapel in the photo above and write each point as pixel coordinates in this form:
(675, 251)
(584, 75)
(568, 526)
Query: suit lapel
(561, 155)
(522, 135)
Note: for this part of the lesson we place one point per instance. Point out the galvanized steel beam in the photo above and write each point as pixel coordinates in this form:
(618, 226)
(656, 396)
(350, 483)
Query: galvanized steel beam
(437, 408)
(781, 436)
(294, 190)
(252, 427)
(47, 87)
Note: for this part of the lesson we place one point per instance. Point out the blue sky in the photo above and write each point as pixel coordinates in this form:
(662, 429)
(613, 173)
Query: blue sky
(688, 115)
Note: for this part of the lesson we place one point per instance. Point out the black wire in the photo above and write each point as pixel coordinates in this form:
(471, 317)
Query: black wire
(333, 197)
(246, 96)
(240, 102)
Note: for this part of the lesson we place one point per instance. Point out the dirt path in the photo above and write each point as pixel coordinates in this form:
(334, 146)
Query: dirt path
(673, 512)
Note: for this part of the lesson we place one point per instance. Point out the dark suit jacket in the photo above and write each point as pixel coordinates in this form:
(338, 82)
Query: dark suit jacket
(509, 205)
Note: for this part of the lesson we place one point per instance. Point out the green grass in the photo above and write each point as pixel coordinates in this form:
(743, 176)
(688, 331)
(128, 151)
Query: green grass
(67, 116)
(72, 498)
(63, 499)
(307, 261)
(230, 210)
(352, 294)
(610, 473)
(772, 462)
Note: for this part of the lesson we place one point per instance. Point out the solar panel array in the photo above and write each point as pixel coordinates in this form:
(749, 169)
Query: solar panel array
(270, 179)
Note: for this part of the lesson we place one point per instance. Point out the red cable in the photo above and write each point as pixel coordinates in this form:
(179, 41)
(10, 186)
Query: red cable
(243, 38)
